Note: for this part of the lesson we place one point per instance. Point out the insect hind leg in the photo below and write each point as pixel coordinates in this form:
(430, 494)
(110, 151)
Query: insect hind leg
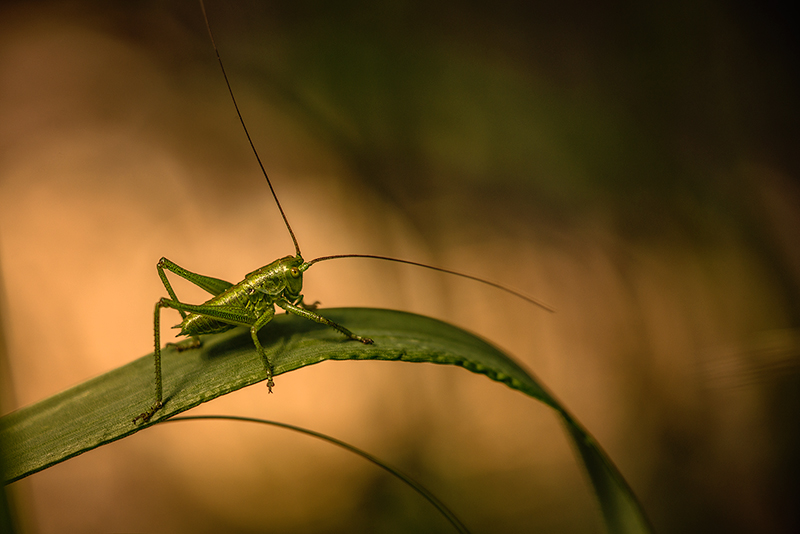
(214, 286)
(159, 403)
(193, 342)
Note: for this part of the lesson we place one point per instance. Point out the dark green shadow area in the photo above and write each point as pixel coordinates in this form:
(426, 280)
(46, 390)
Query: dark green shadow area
(101, 410)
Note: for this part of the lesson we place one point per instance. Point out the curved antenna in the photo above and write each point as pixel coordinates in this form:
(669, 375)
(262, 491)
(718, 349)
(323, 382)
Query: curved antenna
(533, 301)
(247, 133)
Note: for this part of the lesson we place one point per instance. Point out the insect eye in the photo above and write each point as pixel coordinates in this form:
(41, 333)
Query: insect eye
(295, 272)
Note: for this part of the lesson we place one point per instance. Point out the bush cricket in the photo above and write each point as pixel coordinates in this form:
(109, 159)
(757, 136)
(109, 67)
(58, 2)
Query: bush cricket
(251, 302)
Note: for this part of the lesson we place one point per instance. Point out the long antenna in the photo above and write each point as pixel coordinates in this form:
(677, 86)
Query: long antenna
(533, 301)
(247, 133)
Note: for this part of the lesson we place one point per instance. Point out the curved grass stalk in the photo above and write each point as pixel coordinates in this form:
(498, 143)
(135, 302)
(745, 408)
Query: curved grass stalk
(416, 486)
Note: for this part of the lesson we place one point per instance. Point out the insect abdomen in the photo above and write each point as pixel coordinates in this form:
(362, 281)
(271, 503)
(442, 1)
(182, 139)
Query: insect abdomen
(239, 304)
(195, 325)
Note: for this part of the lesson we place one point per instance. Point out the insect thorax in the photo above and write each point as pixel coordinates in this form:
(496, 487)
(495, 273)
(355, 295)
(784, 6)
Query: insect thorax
(281, 280)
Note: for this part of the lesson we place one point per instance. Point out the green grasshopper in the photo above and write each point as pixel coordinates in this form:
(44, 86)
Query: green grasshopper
(252, 301)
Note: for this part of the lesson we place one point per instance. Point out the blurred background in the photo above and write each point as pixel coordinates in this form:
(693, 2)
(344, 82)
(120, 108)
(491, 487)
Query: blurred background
(634, 166)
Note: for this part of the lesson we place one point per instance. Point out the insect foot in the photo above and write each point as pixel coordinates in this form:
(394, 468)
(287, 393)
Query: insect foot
(186, 344)
(145, 416)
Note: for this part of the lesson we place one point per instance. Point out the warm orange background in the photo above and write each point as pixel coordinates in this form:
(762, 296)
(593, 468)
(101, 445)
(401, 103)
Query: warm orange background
(635, 167)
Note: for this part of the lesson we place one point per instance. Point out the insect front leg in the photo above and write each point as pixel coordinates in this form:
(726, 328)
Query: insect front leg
(308, 314)
(264, 318)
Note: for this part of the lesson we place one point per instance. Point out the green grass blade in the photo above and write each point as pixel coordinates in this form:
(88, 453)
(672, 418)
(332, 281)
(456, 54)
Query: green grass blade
(101, 410)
